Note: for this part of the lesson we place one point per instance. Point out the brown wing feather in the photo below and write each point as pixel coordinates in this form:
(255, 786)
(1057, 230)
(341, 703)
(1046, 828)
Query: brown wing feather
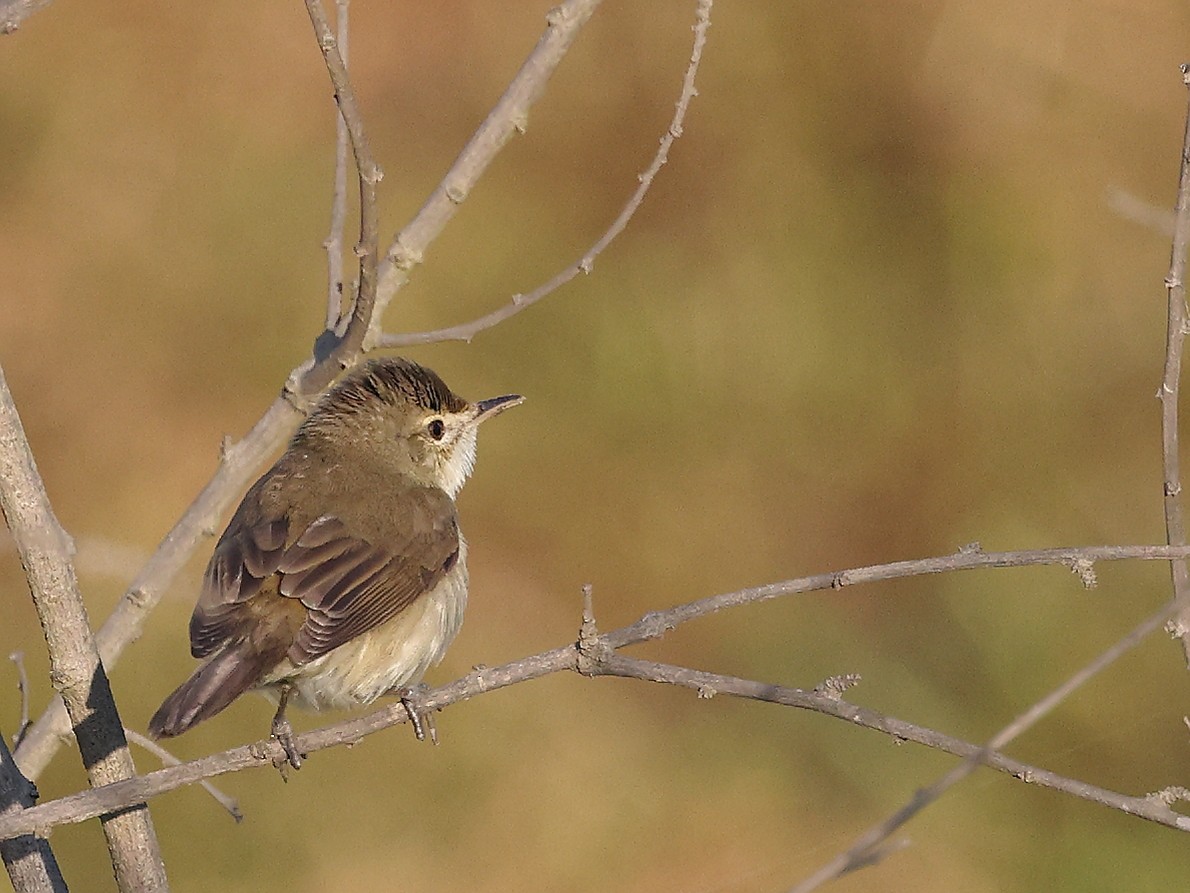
(353, 586)
(348, 585)
(245, 556)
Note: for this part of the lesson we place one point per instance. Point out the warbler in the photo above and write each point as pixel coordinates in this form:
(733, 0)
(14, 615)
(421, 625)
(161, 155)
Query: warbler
(342, 575)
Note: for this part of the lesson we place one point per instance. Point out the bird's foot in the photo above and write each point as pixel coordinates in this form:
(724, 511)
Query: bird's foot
(421, 720)
(283, 732)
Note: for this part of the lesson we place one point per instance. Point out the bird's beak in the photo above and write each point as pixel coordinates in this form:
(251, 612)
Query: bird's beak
(495, 405)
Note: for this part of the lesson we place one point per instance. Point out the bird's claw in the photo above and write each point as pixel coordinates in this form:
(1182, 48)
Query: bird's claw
(283, 732)
(421, 720)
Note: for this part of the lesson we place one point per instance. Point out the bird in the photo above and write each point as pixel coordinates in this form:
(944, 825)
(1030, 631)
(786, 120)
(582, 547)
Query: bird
(342, 575)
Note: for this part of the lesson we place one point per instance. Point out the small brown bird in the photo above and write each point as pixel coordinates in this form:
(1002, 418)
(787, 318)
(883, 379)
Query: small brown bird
(342, 575)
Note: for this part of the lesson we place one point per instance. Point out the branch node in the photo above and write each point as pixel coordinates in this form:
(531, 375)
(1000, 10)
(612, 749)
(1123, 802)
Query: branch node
(653, 625)
(706, 692)
(839, 580)
(590, 649)
(973, 548)
(477, 672)
(457, 193)
(139, 597)
(833, 687)
(1084, 568)
(1170, 795)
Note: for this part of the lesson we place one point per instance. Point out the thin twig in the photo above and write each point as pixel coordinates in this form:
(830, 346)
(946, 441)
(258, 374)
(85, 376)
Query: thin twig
(519, 302)
(825, 700)
(14, 12)
(28, 859)
(1175, 284)
(367, 248)
(168, 759)
(88, 804)
(510, 115)
(18, 659)
(866, 849)
(656, 624)
(75, 667)
(334, 240)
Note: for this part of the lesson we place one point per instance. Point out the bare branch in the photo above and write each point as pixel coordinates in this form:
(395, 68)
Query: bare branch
(28, 858)
(334, 240)
(519, 302)
(348, 347)
(598, 648)
(1175, 284)
(14, 12)
(510, 115)
(656, 624)
(873, 840)
(18, 659)
(75, 667)
(826, 701)
(168, 759)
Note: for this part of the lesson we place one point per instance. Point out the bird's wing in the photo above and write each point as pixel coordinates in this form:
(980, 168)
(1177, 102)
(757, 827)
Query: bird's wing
(246, 555)
(347, 584)
(350, 586)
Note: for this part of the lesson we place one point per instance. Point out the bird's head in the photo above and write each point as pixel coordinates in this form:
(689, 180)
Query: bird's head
(402, 416)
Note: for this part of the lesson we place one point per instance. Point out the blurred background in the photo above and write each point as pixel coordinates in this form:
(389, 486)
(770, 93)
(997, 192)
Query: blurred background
(899, 289)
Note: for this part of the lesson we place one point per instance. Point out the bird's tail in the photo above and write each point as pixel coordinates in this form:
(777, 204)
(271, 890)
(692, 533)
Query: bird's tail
(223, 678)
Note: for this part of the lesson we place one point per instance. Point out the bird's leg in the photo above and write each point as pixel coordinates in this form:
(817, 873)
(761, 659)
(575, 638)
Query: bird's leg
(283, 731)
(421, 720)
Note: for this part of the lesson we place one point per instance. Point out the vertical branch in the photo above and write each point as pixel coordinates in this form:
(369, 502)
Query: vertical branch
(334, 241)
(1175, 284)
(75, 668)
(28, 859)
(368, 246)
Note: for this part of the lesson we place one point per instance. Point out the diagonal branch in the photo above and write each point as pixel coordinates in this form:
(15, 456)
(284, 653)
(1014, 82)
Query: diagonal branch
(510, 115)
(519, 302)
(75, 667)
(826, 700)
(88, 804)
(1175, 284)
(866, 849)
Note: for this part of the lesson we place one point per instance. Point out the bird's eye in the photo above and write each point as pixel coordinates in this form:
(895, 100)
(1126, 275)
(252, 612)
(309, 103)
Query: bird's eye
(437, 428)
